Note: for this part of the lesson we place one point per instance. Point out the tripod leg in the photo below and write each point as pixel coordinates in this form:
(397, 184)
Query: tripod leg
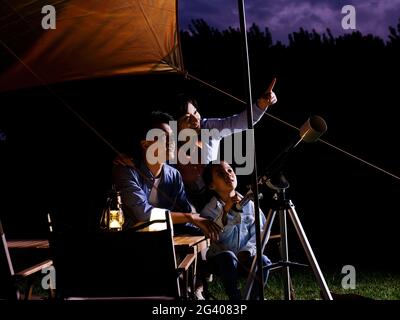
(285, 254)
(264, 240)
(309, 252)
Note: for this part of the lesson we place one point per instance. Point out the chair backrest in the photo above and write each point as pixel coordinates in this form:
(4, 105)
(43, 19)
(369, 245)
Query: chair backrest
(116, 264)
(6, 269)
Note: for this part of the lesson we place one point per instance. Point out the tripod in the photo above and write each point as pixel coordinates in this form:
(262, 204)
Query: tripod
(284, 207)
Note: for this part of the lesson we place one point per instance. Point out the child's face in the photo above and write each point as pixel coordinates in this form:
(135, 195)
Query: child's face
(223, 178)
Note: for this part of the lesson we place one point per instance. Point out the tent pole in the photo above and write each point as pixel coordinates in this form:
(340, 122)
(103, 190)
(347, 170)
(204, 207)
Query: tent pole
(249, 101)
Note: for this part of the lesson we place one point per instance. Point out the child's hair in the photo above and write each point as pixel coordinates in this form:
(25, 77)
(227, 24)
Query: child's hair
(208, 179)
(207, 174)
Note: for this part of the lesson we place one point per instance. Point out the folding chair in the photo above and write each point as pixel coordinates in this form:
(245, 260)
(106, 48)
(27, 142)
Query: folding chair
(10, 280)
(130, 264)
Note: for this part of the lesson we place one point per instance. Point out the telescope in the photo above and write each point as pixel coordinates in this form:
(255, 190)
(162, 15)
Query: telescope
(245, 200)
(282, 206)
(309, 132)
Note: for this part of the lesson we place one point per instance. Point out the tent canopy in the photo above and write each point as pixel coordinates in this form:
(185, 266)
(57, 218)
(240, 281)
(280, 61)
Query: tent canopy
(92, 39)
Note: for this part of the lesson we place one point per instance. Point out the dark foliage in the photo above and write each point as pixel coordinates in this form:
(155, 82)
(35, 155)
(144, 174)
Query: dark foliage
(52, 162)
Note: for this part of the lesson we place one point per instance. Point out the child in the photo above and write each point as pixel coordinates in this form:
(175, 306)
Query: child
(233, 253)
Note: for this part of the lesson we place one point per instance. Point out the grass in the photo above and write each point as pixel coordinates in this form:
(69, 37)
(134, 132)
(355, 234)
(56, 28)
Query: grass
(373, 285)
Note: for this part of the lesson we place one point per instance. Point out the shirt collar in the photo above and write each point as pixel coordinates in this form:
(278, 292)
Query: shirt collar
(146, 171)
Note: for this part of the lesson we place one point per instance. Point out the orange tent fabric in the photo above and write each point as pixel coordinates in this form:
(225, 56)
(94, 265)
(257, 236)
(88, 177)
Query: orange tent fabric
(92, 39)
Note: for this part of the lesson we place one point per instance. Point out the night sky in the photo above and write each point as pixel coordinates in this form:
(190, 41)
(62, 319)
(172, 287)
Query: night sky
(285, 16)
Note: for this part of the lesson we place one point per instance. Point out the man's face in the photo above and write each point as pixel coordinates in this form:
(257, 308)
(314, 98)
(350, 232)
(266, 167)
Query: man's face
(223, 178)
(191, 120)
(162, 147)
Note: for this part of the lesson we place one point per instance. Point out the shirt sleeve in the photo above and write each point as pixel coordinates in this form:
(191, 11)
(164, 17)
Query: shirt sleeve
(235, 123)
(214, 211)
(135, 204)
(210, 211)
(251, 243)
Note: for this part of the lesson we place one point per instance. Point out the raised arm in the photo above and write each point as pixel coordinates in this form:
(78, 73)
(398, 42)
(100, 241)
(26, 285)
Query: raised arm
(238, 122)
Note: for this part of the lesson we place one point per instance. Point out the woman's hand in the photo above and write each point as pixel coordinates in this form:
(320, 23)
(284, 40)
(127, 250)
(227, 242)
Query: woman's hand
(268, 98)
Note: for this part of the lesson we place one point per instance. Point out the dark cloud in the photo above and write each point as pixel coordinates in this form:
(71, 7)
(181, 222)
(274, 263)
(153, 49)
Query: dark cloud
(285, 16)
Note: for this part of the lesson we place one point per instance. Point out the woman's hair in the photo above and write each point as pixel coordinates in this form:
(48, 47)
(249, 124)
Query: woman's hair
(181, 106)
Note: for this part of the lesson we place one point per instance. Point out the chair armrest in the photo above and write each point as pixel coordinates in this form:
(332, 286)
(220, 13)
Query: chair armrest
(275, 236)
(36, 268)
(187, 262)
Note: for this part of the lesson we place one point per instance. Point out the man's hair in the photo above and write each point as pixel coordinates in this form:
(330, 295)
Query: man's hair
(154, 120)
(148, 121)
